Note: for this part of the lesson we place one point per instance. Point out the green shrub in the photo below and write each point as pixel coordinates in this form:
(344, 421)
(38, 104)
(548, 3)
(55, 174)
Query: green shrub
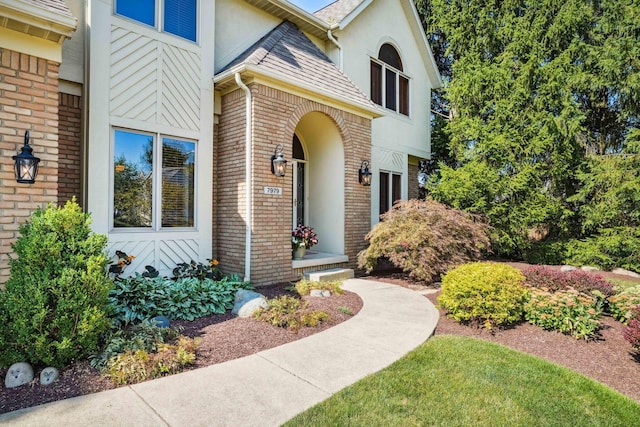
(53, 309)
(291, 313)
(137, 298)
(197, 270)
(611, 248)
(488, 293)
(566, 311)
(550, 252)
(304, 287)
(139, 365)
(425, 239)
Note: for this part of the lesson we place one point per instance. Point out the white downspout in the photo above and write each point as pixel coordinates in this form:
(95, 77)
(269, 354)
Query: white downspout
(248, 180)
(333, 39)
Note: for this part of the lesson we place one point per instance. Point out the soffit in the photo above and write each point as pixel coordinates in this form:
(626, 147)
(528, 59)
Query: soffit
(46, 19)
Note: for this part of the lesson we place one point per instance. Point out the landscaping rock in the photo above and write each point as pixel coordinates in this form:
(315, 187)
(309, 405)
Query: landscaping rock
(589, 268)
(319, 293)
(49, 375)
(567, 268)
(248, 302)
(624, 272)
(18, 374)
(161, 321)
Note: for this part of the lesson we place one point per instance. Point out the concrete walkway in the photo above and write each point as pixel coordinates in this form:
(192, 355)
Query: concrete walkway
(264, 389)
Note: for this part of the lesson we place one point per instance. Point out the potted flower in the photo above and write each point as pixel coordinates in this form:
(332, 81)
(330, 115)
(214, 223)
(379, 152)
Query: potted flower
(302, 238)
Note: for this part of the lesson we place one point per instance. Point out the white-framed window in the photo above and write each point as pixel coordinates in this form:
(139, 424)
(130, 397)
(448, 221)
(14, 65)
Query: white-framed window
(390, 190)
(389, 85)
(178, 17)
(153, 181)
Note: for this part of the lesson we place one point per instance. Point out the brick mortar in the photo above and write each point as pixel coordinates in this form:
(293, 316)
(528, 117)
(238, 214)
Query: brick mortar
(29, 97)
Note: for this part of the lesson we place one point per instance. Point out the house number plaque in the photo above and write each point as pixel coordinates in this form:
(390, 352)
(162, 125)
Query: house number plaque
(276, 191)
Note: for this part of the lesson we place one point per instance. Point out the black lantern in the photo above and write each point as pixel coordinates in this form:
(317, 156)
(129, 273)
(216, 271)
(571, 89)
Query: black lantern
(26, 167)
(278, 163)
(364, 175)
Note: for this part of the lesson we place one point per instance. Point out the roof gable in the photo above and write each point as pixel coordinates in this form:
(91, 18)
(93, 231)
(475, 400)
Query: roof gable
(287, 53)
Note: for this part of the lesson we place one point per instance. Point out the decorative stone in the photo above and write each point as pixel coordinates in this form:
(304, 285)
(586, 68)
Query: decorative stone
(566, 268)
(624, 272)
(161, 321)
(248, 302)
(49, 375)
(319, 293)
(18, 374)
(589, 268)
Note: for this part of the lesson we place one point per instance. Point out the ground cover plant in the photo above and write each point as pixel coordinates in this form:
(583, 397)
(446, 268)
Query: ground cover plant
(452, 380)
(489, 294)
(425, 239)
(291, 313)
(53, 309)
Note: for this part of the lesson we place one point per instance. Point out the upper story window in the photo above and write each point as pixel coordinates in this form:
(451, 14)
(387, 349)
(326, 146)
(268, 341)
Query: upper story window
(177, 17)
(389, 85)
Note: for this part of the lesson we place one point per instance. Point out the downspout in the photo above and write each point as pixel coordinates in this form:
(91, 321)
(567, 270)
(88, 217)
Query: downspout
(247, 179)
(333, 39)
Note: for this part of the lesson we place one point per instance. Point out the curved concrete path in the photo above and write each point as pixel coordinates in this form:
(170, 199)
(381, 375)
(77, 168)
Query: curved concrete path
(264, 389)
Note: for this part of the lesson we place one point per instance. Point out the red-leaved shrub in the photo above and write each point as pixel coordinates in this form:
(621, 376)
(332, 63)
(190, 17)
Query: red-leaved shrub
(632, 332)
(425, 239)
(554, 280)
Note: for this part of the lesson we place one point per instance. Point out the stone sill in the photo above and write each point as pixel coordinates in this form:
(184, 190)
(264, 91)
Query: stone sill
(313, 258)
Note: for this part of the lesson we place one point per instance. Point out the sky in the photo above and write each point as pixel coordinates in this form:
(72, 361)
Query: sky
(311, 5)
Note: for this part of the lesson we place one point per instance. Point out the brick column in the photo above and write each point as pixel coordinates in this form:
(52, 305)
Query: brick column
(70, 157)
(28, 102)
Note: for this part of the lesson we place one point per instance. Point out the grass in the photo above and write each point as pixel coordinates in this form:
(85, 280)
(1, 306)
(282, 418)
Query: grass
(623, 284)
(460, 381)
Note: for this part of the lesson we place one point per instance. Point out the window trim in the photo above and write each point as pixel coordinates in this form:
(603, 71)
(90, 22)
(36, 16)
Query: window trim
(156, 190)
(159, 20)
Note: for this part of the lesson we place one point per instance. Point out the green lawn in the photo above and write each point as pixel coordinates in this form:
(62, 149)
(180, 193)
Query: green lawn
(460, 381)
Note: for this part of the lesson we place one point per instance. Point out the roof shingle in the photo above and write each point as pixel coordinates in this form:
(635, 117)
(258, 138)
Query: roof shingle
(337, 11)
(285, 50)
(58, 6)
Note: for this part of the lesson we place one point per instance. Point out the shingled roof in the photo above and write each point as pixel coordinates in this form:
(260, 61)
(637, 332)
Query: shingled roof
(337, 11)
(286, 52)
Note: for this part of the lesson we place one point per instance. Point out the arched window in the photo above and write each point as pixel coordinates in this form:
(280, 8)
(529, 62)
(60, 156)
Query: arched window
(389, 85)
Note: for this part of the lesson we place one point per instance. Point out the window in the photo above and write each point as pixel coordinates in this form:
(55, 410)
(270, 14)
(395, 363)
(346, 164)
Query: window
(389, 86)
(179, 17)
(390, 190)
(152, 184)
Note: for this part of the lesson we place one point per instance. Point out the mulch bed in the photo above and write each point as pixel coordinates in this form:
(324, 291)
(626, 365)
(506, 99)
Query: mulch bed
(608, 358)
(224, 337)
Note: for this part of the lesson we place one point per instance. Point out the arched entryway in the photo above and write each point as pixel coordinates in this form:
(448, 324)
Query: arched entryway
(318, 183)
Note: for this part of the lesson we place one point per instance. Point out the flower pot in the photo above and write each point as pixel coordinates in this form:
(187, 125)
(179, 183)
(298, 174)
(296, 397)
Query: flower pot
(298, 253)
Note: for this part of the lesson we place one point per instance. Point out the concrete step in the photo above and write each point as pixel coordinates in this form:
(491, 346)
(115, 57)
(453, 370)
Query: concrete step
(329, 275)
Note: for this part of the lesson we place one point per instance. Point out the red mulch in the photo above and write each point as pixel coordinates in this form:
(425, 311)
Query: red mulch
(224, 337)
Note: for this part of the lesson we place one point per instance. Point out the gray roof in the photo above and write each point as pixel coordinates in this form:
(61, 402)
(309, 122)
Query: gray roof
(286, 51)
(338, 10)
(58, 6)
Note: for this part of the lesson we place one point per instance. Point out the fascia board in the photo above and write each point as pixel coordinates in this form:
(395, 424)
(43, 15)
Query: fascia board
(46, 19)
(296, 87)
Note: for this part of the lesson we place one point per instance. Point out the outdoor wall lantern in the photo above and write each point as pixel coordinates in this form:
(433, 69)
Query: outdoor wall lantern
(364, 175)
(26, 167)
(278, 163)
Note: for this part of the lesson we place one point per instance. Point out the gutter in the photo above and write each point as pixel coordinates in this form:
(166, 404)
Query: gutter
(335, 42)
(248, 181)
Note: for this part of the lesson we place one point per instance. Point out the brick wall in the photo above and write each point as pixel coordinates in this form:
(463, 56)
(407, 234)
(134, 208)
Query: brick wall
(412, 181)
(275, 116)
(69, 145)
(28, 101)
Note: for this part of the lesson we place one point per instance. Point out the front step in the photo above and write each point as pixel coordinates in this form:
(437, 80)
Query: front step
(329, 275)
